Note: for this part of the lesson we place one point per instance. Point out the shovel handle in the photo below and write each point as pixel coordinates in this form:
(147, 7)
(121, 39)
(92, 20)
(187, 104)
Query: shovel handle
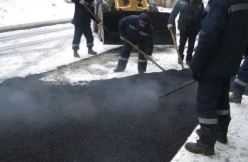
(100, 21)
(175, 43)
(178, 88)
(145, 55)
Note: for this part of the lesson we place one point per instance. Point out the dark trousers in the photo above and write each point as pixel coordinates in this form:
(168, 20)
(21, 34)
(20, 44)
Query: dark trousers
(242, 76)
(213, 107)
(79, 31)
(184, 36)
(125, 54)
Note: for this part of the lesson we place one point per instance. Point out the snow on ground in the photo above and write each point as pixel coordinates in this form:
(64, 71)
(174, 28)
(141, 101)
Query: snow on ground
(102, 67)
(14, 12)
(29, 35)
(237, 147)
(44, 57)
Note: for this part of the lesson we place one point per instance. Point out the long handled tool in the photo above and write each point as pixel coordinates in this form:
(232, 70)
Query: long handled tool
(145, 55)
(100, 21)
(175, 43)
(174, 90)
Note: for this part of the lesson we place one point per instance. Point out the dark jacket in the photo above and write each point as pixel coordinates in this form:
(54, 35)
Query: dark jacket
(183, 6)
(243, 70)
(246, 51)
(81, 15)
(207, 8)
(129, 28)
(222, 40)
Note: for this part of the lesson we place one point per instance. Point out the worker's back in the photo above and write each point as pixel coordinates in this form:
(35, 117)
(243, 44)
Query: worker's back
(81, 15)
(222, 40)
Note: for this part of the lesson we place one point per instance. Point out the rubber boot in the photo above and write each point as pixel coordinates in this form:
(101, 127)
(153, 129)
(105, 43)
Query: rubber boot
(236, 97)
(222, 133)
(118, 69)
(200, 148)
(188, 60)
(76, 54)
(141, 72)
(221, 136)
(182, 56)
(91, 51)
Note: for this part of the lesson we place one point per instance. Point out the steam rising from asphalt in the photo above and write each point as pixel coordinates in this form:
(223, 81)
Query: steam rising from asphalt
(30, 100)
(35, 101)
(107, 120)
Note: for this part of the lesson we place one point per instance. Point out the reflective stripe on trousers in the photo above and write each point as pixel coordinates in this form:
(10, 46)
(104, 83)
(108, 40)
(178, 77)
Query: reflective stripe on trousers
(223, 112)
(212, 106)
(123, 59)
(240, 82)
(75, 46)
(90, 44)
(124, 56)
(141, 60)
(208, 121)
(213, 120)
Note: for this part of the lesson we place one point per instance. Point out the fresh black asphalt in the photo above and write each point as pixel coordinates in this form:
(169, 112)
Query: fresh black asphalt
(115, 120)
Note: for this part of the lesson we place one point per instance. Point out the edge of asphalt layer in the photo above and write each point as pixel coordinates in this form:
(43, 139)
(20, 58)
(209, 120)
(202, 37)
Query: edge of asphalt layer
(34, 25)
(128, 132)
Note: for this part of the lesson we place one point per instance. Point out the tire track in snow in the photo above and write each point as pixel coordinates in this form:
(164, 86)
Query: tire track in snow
(31, 43)
(32, 33)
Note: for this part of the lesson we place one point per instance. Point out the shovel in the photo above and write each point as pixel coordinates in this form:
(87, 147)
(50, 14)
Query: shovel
(175, 43)
(99, 21)
(145, 55)
(174, 90)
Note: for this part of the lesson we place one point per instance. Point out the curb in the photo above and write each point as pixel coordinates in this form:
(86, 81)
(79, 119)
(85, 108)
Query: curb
(34, 25)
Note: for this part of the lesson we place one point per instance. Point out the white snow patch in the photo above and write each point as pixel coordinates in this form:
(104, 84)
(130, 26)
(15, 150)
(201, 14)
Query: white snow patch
(237, 147)
(43, 61)
(102, 69)
(15, 12)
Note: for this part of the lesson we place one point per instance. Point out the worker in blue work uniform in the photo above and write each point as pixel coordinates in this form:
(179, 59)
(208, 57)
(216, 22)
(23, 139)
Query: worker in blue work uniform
(138, 30)
(218, 55)
(189, 24)
(82, 22)
(241, 80)
(207, 8)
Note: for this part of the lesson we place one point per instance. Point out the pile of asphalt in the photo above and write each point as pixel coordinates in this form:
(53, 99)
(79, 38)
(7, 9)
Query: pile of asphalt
(109, 120)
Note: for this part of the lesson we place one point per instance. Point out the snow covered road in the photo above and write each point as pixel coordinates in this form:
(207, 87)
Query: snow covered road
(101, 67)
(34, 32)
(39, 50)
(23, 53)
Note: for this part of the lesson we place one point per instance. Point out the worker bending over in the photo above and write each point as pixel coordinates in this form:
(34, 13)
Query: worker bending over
(138, 30)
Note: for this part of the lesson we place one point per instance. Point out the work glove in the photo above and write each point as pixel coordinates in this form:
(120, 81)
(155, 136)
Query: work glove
(195, 75)
(170, 26)
(123, 38)
(81, 2)
(147, 57)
